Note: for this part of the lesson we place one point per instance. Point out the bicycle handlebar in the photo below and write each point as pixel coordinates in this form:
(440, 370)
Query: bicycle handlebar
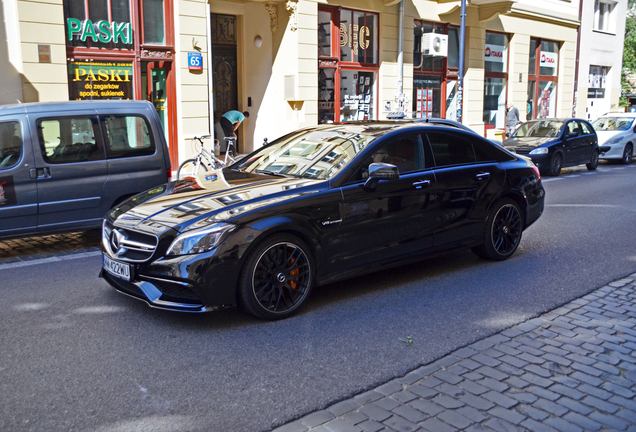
(201, 138)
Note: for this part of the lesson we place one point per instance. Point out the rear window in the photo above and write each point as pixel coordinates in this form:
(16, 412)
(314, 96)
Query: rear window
(10, 144)
(127, 136)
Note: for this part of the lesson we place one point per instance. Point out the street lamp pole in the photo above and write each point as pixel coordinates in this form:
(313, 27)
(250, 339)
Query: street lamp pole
(460, 80)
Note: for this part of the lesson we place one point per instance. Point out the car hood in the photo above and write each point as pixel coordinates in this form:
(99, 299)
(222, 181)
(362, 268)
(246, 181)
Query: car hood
(526, 143)
(605, 136)
(216, 196)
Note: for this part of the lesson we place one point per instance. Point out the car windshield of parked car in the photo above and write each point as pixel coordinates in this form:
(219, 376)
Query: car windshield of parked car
(613, 123)
(539, 129)
(317, 153)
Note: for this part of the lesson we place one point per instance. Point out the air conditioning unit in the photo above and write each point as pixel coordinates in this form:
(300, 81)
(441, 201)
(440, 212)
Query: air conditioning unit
(435, 44)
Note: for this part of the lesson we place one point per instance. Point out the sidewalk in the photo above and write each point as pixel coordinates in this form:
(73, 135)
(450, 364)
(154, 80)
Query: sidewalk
(571, 369)
(31, 248)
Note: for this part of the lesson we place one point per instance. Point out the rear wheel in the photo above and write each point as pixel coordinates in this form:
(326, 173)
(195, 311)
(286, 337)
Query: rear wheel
(502, 235)
(628, 153)
(277, 277)
(189, 168)
(555, 165)
(593, 161)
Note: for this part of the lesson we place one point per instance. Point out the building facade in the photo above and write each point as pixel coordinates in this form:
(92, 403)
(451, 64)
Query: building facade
(293, 63)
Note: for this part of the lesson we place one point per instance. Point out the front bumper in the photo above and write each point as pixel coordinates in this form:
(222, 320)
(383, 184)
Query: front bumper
(614, 151)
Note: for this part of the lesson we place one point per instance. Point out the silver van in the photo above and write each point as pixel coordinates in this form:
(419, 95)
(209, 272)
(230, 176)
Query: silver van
(63, 165)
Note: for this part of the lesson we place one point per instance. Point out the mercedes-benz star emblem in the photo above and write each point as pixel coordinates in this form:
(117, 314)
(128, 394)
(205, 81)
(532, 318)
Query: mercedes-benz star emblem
(117, 241)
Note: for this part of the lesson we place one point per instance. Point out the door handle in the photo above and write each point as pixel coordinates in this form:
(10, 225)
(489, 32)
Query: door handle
(422, 183)
(483, 175)
(40, 173)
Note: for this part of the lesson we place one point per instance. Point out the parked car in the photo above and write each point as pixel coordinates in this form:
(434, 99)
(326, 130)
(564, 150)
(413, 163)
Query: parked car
(556, 143)
(617, 134)
(317, 205)
(64, 165)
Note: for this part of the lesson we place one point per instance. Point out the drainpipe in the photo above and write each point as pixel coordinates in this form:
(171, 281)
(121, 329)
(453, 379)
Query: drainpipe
(460, 80)
(400, 59)
(575, 96)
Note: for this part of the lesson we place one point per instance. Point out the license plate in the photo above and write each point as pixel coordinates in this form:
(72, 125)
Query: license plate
(117, 268)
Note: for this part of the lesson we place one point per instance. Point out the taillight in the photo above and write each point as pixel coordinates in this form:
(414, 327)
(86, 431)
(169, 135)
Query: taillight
(536, 171)
(168, 175)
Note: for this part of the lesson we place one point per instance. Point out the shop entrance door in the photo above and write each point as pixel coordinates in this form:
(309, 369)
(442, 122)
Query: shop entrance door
(225, 83)
(154, 76)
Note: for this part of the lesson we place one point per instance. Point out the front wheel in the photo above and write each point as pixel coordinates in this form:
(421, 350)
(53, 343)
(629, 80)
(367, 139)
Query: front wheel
(502, 235)
(555, 165)
(628, 153)
(277, 277)
(593, 161)
(189, 168)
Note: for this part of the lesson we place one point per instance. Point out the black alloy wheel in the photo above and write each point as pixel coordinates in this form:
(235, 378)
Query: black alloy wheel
(502, 236)
(555, 165)
(277, 277)
(593, 161)
(628, 153)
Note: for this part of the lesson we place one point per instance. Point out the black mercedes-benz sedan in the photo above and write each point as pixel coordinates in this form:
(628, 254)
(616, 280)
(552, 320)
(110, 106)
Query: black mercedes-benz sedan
(556, 143)
(317, 205)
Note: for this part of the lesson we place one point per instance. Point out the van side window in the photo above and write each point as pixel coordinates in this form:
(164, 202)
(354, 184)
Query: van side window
(70, 140)
(10, 144)
(127, 136)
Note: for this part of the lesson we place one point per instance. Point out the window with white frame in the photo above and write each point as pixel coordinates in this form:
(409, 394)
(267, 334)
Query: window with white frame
(603, 15)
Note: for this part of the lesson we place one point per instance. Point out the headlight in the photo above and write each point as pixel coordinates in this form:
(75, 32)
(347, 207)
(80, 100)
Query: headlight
(614, 141)
(540, 150)
(200, 240)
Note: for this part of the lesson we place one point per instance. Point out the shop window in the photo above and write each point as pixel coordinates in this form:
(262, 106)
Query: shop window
(70, 140)
(98, 24)
(453, 47)
(596, 82)
(347, 65)
(603, 14)
(154, 24)
(10, 146)
(427, 93)
(495, 80)
(543, 79)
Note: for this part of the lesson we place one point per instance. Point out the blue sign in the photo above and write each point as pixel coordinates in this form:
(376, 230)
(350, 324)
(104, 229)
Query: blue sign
(195, 61)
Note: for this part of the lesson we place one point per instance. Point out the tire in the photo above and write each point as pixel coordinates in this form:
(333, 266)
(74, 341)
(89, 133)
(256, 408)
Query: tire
(277, 277)
(555, 165)
(188, 168)
(593, 161)
(628, 153)
(502, 235)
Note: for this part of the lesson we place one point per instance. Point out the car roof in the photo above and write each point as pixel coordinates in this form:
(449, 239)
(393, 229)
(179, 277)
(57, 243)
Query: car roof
(619, 114)
(381, 127)
(33, 107)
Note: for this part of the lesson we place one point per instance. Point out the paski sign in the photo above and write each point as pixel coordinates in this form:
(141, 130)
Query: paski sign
(494, 53)
(549, 60)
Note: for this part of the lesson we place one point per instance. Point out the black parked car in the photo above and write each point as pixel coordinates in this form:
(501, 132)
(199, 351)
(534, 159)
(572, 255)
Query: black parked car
(556, 143)
(317, 205)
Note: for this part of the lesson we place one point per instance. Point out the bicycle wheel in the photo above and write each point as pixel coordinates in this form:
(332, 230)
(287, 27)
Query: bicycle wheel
(189, 168)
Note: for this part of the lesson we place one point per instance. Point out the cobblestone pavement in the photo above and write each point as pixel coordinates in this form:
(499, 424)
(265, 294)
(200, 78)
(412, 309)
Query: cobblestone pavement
(571, 369)
(31, 248)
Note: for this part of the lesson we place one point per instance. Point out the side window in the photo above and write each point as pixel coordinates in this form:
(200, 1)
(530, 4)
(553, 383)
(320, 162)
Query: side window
(573, 127)
(10, 144)
(127, 136)
(70, 140)
(585, 128)
(451, 149)
(405, 152)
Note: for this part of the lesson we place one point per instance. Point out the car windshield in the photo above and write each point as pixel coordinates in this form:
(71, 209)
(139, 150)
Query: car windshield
(540, 128)
(316, 153)
(613, 123)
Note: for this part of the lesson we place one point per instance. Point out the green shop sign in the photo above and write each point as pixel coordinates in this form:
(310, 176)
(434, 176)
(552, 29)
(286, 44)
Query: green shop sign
(101, 31)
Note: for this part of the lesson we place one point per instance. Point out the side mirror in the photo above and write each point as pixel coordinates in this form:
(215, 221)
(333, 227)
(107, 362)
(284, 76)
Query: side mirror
(572, 135)
(380, 171)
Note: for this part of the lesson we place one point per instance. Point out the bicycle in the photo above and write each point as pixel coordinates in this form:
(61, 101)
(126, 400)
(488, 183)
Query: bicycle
(207, 160)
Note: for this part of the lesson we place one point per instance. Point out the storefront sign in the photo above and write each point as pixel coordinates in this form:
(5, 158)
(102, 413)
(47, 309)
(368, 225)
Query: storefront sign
(100, 80)
(101, 31)
(549, 60)
(195, 61)
(595, 93)
(494, 53)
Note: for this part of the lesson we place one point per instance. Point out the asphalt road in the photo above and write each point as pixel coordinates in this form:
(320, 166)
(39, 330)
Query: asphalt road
(77, 356)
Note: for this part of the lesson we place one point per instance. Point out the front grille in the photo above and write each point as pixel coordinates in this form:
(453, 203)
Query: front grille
(176, 291)
(128, 245)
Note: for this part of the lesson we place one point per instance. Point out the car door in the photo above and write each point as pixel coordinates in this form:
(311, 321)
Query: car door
(18, 191)
(589, 141)
(389, 221)
(573, 144)
(467, 178)
(70, 169)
